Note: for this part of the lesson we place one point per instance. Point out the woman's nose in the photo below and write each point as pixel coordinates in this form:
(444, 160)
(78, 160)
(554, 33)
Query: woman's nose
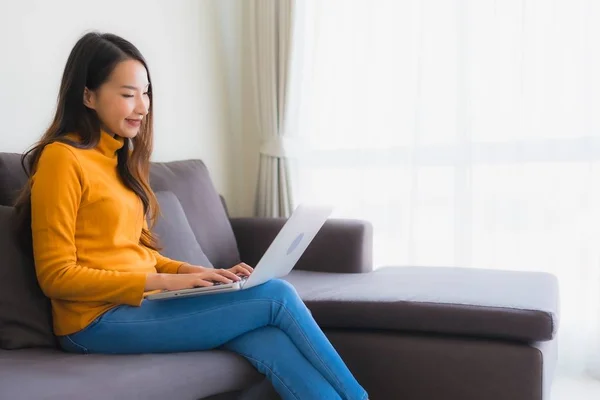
(142, 108)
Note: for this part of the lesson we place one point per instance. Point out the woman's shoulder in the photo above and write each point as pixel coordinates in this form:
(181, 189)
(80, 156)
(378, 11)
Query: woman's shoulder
(65, 146)
(58, 151)
(59, 156)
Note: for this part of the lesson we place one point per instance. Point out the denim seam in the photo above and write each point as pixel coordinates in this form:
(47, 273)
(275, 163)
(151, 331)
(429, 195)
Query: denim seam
(316, 353)
(272, 372)
(85, 350)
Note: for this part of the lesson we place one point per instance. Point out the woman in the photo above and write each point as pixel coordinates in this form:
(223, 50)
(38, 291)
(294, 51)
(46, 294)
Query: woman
(87, 202)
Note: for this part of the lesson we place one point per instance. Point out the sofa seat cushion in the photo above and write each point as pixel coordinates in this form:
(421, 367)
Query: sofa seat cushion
(520, 306)
(56, 375)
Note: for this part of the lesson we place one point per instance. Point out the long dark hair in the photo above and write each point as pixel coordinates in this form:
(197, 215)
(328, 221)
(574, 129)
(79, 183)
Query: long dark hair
(90, 63)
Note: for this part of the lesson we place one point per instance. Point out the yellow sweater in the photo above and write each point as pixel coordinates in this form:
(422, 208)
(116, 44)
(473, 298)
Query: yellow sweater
(86, 227)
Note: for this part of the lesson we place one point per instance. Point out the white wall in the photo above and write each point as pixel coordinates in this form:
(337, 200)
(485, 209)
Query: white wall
(195, 94)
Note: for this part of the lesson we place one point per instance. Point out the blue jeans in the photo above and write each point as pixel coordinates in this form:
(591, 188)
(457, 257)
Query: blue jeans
(269, 325)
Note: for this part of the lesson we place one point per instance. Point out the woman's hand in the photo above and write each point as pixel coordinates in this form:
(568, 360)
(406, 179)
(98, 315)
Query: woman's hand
(232, 273)
(191, 269)
(191, 276)
(187, 281)
(241, 269)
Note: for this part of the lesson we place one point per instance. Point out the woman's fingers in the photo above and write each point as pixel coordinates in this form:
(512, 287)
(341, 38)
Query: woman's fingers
(247, 268)
(201, 283)
(236, 270)
(227, 273)
(243, 268)
(217, 277)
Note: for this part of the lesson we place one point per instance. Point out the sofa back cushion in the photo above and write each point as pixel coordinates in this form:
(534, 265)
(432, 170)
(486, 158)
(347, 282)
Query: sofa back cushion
(190, 182)
(12, 178)
(25, 313)
(175, 234)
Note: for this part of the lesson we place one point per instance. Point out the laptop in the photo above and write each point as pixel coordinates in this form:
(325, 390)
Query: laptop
(279, 259)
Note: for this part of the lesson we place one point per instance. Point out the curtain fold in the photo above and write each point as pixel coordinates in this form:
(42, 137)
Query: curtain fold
(270, 26)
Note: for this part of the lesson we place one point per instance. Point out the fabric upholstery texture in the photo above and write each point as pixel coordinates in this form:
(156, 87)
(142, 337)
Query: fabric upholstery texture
(175, 234)
(25, 314)
(455, 301)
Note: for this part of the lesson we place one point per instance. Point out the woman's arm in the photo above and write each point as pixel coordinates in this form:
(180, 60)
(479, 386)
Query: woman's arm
(55, 197)
(165, 265)
(186, 268)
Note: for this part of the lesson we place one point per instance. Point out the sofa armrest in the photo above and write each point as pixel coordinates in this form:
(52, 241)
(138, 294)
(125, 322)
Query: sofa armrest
(342, 245)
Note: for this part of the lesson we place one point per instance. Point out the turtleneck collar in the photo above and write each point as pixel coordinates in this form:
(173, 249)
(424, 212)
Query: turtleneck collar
(108, 145)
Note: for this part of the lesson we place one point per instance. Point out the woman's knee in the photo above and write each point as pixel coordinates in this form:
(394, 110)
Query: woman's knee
(280, 289)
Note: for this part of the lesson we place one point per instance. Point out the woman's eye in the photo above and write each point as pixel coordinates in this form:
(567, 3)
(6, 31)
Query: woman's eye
(146, 93)
(127, 95)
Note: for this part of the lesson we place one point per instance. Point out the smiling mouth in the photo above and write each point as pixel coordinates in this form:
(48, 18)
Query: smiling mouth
(133, 122)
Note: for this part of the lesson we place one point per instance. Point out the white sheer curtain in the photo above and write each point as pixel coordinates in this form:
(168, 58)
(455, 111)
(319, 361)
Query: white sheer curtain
(270, 28)
(468, 132)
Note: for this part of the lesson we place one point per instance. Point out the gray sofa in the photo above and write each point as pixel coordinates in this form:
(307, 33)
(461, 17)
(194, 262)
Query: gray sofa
(406, 333)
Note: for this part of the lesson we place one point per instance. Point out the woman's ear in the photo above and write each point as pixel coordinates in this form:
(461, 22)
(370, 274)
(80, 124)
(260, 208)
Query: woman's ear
(89, 98)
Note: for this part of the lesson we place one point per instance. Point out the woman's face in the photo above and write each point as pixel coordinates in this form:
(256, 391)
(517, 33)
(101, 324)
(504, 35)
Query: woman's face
(122, 101)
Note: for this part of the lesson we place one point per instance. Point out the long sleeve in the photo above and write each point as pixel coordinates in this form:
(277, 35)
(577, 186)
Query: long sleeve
(164, 264)
(56, 194)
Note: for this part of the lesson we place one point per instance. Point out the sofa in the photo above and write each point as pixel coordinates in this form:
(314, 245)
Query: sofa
(409, 333)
